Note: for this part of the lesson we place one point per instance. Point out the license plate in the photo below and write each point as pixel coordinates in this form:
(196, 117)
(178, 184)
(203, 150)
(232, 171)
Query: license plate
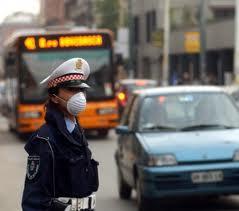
(207, 177)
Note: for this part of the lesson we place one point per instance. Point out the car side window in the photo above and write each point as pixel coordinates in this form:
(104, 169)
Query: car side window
(133, 113)
(125, 118)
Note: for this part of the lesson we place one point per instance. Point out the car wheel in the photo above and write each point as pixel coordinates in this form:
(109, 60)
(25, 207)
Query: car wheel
(123, 188)
(142, 202)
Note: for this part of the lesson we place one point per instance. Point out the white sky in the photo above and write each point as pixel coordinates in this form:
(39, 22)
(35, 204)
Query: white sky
(10, 6)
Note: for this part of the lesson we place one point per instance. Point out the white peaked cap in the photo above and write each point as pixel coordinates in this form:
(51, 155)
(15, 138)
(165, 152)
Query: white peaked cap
(72, 69)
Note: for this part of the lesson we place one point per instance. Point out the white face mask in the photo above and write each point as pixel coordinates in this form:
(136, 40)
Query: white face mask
(76, 103)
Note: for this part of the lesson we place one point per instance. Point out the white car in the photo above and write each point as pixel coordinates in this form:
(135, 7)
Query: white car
(234, 92)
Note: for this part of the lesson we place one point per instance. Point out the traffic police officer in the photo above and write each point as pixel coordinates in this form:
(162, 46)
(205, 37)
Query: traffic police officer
(61, 174)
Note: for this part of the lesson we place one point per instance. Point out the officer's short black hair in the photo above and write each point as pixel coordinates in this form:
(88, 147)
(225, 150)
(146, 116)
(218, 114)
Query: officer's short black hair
(71, 83)
(53, 90)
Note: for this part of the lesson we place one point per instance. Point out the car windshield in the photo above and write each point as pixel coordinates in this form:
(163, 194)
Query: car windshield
(38, 65)
(187, 112)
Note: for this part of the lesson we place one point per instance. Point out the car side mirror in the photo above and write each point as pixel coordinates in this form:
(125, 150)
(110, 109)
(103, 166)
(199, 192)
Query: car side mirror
(122, 129)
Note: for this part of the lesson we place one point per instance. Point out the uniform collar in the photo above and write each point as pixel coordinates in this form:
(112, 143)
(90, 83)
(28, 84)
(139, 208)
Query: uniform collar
(56, 118)
(70, 125)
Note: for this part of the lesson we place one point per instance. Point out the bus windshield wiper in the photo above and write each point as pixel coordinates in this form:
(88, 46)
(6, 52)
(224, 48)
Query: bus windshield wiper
(159, 127)
(205, 126)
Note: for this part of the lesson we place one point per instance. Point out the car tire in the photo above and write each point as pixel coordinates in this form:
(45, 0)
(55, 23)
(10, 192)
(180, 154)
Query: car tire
(143, 204)
(123, 188)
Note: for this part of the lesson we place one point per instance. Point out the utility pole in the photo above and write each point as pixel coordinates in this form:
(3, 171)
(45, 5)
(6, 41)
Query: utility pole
(131, 70)
(202, 26)
(236, 50)
(166, 41)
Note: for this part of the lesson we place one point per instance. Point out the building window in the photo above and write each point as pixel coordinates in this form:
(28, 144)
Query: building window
(187, 16)
(150, 24)
(223, 13)
(136, 30)
(153, 20)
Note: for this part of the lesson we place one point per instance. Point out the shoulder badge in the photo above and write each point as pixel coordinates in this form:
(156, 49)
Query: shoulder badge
(79, 64)
(33, 165)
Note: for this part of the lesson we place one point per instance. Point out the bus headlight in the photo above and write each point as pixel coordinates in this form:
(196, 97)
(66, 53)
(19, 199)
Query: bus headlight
(29, 114)
(110, 110)
(162, 160)
(236, 155)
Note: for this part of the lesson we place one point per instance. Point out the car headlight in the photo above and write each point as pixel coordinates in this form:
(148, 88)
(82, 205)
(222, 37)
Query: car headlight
(236, 155)
(30, 114)
(110, 110)
(162, 160)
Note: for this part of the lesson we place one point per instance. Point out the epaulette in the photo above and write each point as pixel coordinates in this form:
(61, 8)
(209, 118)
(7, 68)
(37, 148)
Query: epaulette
(43, 133)
(43, 138)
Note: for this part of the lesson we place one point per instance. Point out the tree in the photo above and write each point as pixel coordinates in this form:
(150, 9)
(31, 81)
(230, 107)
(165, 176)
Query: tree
(108, 11)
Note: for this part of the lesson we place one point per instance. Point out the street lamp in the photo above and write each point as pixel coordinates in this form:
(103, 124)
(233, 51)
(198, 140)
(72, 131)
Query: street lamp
(131, 31)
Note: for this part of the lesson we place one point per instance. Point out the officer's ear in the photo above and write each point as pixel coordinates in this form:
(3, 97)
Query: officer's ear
(53, 95)
(54, 98)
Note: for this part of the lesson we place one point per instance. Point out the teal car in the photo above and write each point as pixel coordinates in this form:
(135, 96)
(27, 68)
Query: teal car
(178, 141)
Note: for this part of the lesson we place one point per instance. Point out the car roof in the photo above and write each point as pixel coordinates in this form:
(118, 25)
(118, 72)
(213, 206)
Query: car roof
(133, 81)
(178, 89)
(231, 89)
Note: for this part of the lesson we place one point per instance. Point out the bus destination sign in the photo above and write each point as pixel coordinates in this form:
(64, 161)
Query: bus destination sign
(32, 43)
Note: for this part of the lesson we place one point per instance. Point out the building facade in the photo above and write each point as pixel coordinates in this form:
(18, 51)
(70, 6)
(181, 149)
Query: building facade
(52, 12)
(184, 22)
(80, 12)
(12, 23)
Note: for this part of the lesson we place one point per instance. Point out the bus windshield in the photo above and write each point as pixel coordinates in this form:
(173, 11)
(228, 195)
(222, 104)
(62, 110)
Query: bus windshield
(35, 66)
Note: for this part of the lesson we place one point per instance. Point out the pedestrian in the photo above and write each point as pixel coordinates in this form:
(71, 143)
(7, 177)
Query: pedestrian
(61, 174)
(186, 79)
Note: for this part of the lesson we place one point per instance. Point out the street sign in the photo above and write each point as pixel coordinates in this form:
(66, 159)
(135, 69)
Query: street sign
(192, 42)
(157, 38)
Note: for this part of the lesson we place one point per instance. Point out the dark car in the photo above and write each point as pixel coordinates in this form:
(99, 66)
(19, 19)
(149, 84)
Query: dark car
(126, 87)
(178, 141)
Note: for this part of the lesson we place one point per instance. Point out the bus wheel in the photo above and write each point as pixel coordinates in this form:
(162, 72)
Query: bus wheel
(103, 133)
(24, 136)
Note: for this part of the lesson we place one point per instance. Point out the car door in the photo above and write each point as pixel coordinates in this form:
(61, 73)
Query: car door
(128, 155)
(122, 138)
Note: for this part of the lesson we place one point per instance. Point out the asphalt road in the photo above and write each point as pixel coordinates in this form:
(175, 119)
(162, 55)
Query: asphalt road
(12, 173)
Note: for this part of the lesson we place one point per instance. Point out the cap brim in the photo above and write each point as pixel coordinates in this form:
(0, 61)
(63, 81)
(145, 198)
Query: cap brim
(78, 83)
(84, 85)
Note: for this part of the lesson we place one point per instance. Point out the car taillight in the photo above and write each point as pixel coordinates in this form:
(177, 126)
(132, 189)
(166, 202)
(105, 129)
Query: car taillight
(140, 83)
(122, 98)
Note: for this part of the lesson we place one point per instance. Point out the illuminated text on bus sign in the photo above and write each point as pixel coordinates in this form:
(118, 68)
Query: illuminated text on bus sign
(32, 43)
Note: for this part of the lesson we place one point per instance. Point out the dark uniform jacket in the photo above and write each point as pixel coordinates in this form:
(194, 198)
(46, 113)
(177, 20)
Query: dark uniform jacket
(59, 165)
